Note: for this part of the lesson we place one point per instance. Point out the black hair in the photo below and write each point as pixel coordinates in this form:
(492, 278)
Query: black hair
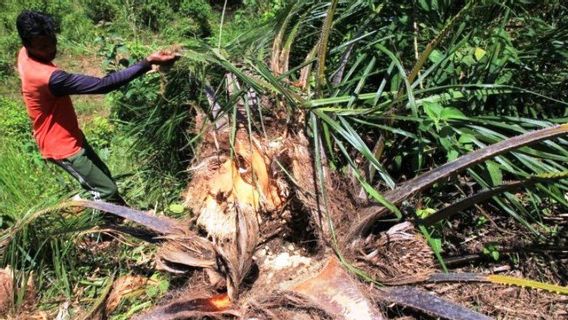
(31, 24)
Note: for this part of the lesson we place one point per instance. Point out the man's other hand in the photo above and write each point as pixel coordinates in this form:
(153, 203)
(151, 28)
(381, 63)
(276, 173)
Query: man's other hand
(162, 58)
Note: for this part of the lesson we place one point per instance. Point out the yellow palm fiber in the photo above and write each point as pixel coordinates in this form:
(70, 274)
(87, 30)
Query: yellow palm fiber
(520, 282)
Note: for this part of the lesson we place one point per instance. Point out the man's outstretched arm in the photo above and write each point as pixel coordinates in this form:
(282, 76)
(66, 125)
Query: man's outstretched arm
(62, 83)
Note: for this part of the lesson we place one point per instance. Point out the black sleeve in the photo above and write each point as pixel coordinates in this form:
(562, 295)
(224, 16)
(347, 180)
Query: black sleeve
(62, 83)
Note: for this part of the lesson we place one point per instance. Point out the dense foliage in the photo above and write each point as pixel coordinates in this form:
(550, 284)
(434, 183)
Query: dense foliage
(394, 89)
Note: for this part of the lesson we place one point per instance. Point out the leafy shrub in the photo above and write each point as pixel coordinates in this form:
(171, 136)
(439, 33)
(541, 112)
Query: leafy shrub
(98, 11)
(9, 40)
(154, 15)
(199, 13)
(68, 15)
(99, 133)
(76, 28)
(14, 123)
(267, 10)
(10, 45)
(15, 126)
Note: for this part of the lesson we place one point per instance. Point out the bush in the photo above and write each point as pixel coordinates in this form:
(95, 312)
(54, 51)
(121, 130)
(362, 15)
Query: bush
(9, 40)
(152, 14)
(99, 133)
(10, 45)
(199, 13)
(68, 15)
(14, 123)
(99, 11)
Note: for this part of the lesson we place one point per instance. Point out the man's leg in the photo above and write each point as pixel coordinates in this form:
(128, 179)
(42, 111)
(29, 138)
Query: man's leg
(113, 197)
(93, 175)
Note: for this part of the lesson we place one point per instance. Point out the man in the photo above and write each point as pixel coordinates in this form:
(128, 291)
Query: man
(46, 90)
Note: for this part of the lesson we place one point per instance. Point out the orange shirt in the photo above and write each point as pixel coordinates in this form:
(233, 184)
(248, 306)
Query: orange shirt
(55, 125)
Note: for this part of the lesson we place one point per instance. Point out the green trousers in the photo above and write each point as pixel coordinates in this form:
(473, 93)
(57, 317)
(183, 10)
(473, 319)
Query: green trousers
(92, 173)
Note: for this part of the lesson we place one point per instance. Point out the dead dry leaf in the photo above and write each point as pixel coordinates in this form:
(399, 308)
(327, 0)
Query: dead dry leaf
(334, 291)
(6, 290)
(121, 287)
(30, 296)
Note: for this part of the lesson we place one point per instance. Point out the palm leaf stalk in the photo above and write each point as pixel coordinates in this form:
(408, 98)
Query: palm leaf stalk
(424, 181)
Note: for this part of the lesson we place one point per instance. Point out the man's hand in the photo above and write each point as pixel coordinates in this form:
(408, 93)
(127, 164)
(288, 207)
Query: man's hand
(162, 58)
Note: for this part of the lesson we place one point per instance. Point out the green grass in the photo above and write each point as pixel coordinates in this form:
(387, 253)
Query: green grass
(29, 241)
(49, 243)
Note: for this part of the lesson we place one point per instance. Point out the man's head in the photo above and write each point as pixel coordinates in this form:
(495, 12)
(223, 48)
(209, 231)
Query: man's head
(37, 32)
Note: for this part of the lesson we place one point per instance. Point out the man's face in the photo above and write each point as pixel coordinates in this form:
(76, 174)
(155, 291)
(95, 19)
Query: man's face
(43, 48)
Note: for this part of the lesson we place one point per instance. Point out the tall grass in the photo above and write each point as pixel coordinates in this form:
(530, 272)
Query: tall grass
(32, 240)
(28, 241)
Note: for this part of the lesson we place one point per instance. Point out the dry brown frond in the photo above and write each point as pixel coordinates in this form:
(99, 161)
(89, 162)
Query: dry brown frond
(193, 306)
(336, 292)
(125, 285)
(6, 290)
(399, 255)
